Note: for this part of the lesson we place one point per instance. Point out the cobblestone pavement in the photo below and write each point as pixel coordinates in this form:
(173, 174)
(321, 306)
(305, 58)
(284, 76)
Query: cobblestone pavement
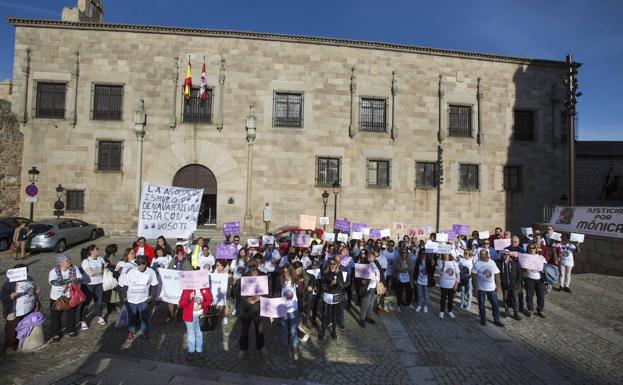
(580, 342)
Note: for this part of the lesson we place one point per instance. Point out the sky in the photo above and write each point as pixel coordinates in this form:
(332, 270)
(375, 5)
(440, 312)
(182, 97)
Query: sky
(592, 30)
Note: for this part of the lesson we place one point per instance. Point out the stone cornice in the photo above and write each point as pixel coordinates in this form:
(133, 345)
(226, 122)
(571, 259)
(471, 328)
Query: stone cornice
(18, 22)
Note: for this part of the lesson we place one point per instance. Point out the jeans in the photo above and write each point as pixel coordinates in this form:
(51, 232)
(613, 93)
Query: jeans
(466, 296)
(403, 289)
(329, 311)
(97, 294)
(447, 296)
(195, 335)
(138, 308)
(289, 325)
(57, 318)
(492, 296)
(565, 276)
(531, 286)
(423, 293)
(511, 299)
(248, 318)
(367, 302)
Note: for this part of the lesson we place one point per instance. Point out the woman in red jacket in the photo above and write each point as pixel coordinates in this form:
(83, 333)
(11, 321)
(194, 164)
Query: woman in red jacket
(142, 248)
(194, 303)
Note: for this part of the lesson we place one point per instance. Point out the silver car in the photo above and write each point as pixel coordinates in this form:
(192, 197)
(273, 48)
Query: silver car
(57, 234)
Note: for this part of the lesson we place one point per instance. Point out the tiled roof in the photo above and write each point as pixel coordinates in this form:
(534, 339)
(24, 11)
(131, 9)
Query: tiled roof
(599, 148)
(18, 22)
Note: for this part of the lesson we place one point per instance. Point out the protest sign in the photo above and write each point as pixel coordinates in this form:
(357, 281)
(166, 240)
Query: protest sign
(231, 228)
(385, 233)
(316, 250)
(364, 270)
(426, 230)
(252, 242)
(526, 231)
(556, 236)
(441, 237)
(483, 235)
(226, 251)
(19, 274)
(300, 240)
(460, 229)
(171, 290)
(398, 226)
(273, 307)
(323, 221)
(307, 222)
(250, 286)
(358, 227)
(443, 248)
(430, 247)
(575, 237)
(375, 234)
(365, 231)
(330, 237)
(268, 240)
(193, 280)
(314, 272)
(604, 221)
(501, 244)
(342, 225)
(218, 287)
(531, 262)
(342, 237)
(25, 299)
(168, 211)
(356, 235)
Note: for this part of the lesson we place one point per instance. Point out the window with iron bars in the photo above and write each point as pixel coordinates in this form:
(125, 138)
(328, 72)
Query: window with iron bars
(50, 100)
(378, 174)
(372, 115)
(460, 121)
(327, 171)
(425, 174)
(523, 125)
(107, 101)
(75, 200)
(512, 178)
(468, 177)
(109, 155)
(288, 109)
(195, 110)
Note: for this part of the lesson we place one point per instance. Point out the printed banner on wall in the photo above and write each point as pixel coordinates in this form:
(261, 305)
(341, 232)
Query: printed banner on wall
(603, 221)
(168, 211)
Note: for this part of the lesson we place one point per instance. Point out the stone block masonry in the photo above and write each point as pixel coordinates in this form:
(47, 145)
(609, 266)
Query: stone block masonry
(11, 148)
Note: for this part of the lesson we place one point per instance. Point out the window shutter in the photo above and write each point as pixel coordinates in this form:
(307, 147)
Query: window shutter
(367, 172)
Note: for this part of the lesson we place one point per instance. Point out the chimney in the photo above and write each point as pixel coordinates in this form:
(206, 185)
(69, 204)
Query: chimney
(85, 11)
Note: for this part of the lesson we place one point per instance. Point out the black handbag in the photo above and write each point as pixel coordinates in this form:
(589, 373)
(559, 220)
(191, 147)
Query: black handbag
(209, 321)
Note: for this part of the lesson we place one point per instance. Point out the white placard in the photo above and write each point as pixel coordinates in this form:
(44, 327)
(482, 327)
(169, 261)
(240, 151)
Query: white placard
(526, 231)
(323, 221)
(342, 237)
(218, 287)
(268, 240)
(385, 233)
(483, 235)
(443, 248)
(328, 237)
(316, 250)
(24, 302)
(441, 237)
(430, 247)
(575, 237)
(314, 272)
(168, 211)
(556, 236)
(19, 274)
(252, 242)
(356, 235)
(365, 231)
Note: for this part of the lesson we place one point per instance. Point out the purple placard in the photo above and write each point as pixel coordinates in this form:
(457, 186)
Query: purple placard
(358, 226)
(460, 229)
(226, 251)
(300, 240)
(250, 286)
(342, 225)
(230, 228)
(375, 234)
(364, 270)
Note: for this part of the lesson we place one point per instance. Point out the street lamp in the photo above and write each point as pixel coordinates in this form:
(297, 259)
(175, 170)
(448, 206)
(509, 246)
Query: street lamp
(59, 205)
(33, 176)
(336, 191)
(251, 126)
(325, 200)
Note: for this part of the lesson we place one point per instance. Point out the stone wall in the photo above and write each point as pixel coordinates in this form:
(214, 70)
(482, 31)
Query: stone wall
(600, 255)
(590, 175)
(11, 147)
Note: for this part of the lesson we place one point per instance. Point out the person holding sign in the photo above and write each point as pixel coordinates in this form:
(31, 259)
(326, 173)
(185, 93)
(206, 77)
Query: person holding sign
(533, 283)
(18, 300)
(448, 283)
(194, 304)
(138, 288)
(287, 286)
(93, 267)
(180, 262)
(424, 277)
(368, 286)
(60, 278)
(332, 282)
(403, 271)
(487, 276)
(250, 312)
(566, 263)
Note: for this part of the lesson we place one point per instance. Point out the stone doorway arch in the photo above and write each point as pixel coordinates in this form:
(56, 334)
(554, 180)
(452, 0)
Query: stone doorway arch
(198, 176)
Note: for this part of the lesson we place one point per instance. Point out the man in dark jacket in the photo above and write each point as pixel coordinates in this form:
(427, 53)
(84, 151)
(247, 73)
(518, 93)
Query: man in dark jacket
(510, 278)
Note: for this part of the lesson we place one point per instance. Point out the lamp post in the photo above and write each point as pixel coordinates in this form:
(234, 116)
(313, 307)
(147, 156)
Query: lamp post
(59, 205)
(140, 119)
(325, 200)
(251, 126)
(31, 190)
(336, 191)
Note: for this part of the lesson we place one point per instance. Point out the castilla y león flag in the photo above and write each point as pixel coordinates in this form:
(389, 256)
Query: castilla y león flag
(204, 85)
(188, 82)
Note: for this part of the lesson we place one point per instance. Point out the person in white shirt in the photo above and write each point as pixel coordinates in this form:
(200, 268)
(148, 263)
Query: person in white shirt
(138, 288)
(487, 276)
(93, 266)
(532, 283)
(466, 264)
(60, 277)
(566, 263)
(205, 260)
(448, 283)
(368, 286)
(289, 324)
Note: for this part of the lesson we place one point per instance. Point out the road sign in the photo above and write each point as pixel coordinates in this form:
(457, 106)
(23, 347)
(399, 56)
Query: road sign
(31, 199)
(59, 213)
(32, 190)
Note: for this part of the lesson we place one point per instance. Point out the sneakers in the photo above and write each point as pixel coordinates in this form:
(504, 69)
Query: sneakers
(305, 338)
(101, 321)
(440, 315)
(566, 290)
(418, 308)
(540, 314)
(411, 307)
(56, 338)
(528, 313)
(84, 326)
(497, 322)
(425, 309)
(225, 321)
(128, 342)
(295, 355)
(451, 315)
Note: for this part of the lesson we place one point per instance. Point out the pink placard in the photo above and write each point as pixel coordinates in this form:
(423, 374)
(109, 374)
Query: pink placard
(307, 222)
(300, 240)
(501, 244)
(193, 280)
(273, 307)
(250, 286)
(364, 270)
(531, 262)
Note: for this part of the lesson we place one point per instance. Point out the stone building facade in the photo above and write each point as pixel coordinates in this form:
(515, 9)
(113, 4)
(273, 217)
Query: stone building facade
(373, 109)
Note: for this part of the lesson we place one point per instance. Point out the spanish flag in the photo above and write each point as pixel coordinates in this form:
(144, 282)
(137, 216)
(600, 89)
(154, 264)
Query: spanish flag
(188, 81)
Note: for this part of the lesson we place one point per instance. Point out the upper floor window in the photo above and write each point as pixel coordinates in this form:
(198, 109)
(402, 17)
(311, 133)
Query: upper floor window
(468, 177)
(523, 125)
(460, 121)
(425, 174)
(378, 173)
(373, 115)
(50, 99)
(196, 110)
(327, 171)
(288, 109)
(512, 178)
(109, 155)
(107, 101)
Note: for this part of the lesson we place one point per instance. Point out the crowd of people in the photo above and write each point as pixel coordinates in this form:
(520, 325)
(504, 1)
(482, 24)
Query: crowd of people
(317, 288)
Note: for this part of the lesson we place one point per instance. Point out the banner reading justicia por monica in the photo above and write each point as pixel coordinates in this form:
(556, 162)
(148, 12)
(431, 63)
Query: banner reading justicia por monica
(604, 221)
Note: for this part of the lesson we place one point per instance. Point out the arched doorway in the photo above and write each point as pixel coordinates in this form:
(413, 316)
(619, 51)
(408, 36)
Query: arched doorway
(198, 176)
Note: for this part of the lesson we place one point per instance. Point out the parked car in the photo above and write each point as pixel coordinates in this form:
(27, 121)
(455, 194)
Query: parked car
(58, 234)
(7, 228)
(283, 236)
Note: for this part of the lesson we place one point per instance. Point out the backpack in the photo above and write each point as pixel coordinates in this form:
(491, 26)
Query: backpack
(550, 273)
